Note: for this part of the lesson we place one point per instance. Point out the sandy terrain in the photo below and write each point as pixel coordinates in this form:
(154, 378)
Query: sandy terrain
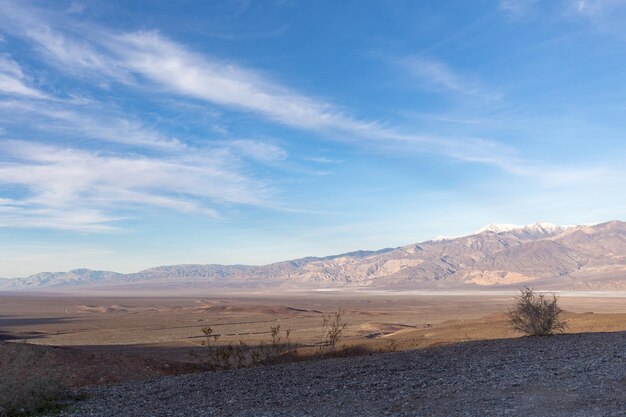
(101, 340)
(170, 328)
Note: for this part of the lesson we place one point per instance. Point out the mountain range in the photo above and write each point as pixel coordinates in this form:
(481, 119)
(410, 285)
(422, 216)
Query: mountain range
(542, 255)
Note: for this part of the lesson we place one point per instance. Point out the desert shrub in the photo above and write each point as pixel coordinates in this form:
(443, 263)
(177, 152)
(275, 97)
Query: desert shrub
(333, 325)
(243, 355)
(536, 314)
(279, 343)
(29, 383)
(392, 346)
(344, 351)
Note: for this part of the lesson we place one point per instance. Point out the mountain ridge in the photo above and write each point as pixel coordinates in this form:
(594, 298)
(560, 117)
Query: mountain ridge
(538, 227)
(574, 257)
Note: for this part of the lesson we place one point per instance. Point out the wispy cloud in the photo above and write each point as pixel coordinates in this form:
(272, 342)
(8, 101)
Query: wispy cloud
(184, 177)
(181, 71)
(13, 80)
(436, 75)
(606, 15)
(91, 186)
(85, 122)
(257, 150)
(517, 8)
(323, 160)
(138, 57)
(81, 220)
(71, 52)
(598, 8)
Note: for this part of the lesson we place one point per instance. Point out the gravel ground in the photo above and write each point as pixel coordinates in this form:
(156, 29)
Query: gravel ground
(568, 375)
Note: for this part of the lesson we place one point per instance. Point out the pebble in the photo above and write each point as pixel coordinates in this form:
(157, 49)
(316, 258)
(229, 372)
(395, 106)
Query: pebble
(561, 376)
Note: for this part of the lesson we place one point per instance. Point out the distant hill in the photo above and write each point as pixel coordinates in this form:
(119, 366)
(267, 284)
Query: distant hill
(543, 255)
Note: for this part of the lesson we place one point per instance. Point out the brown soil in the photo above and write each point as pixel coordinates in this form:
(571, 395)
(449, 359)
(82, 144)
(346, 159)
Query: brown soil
(102, 340)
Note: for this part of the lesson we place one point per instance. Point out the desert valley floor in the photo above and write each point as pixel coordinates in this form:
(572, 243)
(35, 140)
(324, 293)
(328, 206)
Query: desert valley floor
(102, 340)
(169, 328)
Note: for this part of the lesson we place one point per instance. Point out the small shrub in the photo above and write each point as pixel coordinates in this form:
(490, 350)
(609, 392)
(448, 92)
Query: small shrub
(279, 344)
(392, 346)
(243, 355)
(536, 314)
(344, 351)
(28, 382)
(333, 326)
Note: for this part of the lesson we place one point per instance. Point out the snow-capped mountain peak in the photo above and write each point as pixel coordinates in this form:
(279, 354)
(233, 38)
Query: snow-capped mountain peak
(545, 227)
(498, 228)
(539, 227)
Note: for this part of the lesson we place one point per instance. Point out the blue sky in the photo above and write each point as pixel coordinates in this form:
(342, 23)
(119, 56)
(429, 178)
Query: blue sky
(143, 133)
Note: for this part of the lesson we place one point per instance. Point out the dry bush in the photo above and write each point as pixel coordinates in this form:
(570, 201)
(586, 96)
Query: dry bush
(333, 326)
(28, 381)
(536, 314)
(345, 351)
(242, 355)
(392, 346)
(280, 349)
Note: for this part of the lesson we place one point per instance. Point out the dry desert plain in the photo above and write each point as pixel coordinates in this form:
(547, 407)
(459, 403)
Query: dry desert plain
(137, 337)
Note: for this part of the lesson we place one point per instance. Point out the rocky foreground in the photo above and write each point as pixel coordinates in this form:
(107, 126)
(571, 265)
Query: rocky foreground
(568, 375)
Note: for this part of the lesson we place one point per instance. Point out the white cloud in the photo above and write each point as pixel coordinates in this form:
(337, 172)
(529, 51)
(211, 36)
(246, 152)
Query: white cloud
(181, 71)
(184, 179)
(606, 15)
(12, 80)
(517, 8)
(260, 151)
(77, 189)
(74, 53)
(598, 7)
(10, 67)
(83, 220)
(174, 68)
(437, 75)
(323, 160)
(85, 122)
(9, 85)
